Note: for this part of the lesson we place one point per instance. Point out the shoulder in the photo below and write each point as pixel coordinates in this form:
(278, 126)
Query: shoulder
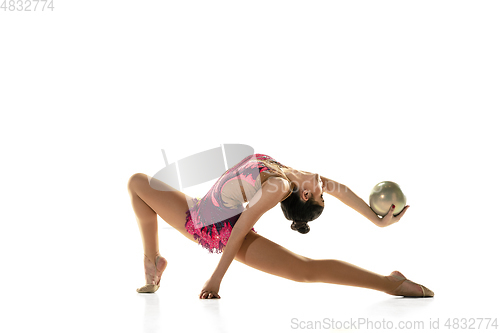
(277, 188)
(273, 191)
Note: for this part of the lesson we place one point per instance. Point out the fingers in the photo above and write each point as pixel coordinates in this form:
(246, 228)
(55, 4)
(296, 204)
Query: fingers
(400, 215)
(390, 213)
(208, 295)
(391, 210)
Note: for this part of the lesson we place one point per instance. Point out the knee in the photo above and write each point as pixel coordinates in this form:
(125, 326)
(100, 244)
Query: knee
(134, 181)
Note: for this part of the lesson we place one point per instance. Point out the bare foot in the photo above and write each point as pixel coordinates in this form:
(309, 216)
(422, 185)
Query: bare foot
(408, 288)
(153, 274)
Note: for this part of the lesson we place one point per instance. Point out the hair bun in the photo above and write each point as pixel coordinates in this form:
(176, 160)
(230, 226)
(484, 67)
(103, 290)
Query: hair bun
(301, 227)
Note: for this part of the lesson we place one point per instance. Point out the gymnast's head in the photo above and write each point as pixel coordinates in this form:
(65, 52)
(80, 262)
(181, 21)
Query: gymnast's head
(305, 203)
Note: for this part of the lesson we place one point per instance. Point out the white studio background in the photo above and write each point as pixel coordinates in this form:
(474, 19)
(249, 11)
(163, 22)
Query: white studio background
(360, 92)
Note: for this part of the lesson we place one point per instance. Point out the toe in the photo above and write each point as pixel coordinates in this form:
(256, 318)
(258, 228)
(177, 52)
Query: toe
(428, 292)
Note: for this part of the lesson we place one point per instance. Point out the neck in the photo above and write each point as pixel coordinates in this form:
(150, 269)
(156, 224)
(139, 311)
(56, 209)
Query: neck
(292, 174)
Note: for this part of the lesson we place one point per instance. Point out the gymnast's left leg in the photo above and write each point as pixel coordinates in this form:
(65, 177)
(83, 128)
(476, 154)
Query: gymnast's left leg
(262, 254)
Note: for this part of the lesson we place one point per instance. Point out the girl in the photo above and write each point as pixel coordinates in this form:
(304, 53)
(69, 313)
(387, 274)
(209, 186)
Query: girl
(220, 223)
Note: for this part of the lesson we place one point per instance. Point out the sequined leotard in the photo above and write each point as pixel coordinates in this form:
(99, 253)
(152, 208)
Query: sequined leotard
(211, 219)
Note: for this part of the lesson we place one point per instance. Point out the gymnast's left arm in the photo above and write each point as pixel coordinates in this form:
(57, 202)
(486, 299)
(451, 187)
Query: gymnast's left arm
(266, 198)
(348, 197)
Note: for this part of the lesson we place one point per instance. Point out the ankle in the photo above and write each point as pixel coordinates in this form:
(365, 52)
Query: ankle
(152, 256)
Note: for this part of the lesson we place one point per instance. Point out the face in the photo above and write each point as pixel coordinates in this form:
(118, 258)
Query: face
(311, 187)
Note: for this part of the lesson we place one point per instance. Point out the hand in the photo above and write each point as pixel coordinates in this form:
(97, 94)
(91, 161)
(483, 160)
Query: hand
(210, 289)
(389, 219)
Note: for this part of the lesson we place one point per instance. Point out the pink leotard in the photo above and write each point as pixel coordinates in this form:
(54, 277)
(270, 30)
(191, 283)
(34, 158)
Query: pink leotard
(210, 219)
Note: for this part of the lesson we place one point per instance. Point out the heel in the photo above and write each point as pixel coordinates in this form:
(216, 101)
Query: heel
(156, 270)
(152, 287)
(148, 288)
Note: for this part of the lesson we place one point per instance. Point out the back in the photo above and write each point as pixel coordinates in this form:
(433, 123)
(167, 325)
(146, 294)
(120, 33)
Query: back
(223, 204)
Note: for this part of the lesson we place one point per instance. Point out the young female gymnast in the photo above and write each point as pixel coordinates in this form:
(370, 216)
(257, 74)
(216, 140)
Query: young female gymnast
(220, 223)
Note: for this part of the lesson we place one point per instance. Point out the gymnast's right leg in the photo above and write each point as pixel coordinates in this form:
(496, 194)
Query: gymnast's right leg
(150, 197)
(262, 254)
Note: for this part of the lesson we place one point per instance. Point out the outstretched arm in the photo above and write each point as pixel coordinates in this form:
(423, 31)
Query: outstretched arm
(348, 197)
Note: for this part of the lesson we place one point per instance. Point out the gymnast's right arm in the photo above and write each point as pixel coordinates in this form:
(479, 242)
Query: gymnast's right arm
(266, 198)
